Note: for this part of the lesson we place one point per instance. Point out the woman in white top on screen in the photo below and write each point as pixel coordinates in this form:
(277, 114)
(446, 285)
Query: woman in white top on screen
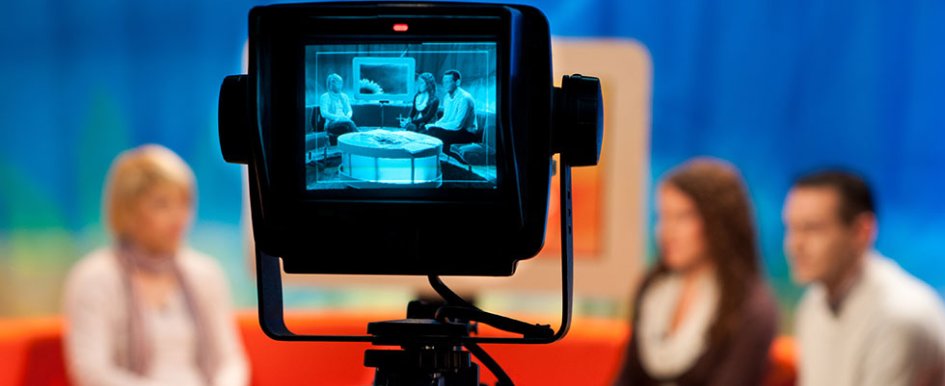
(335, 108)
(147, 310)
(425, 104)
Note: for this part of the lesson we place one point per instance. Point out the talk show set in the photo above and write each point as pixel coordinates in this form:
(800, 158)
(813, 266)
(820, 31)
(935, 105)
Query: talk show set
(398, 193)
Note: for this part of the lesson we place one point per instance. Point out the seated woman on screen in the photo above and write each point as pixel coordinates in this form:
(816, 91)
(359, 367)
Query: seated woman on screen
(335, 107)
(425, 104)
(147, 310)
(703, 315)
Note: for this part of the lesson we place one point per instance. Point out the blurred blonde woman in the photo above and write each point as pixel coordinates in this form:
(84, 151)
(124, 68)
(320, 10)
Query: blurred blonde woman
(147, 310)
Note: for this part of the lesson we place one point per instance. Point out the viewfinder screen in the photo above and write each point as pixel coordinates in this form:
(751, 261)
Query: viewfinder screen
(412, 116)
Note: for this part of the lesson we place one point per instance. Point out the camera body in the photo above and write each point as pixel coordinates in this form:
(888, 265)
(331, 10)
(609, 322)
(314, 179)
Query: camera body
(339, 184)
(449, 215)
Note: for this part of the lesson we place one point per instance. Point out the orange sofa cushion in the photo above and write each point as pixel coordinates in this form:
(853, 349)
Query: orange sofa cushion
(31, 354)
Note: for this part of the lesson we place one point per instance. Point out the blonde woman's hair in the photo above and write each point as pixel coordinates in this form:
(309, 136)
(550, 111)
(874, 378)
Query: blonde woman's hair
(135, 172)
(333, 76)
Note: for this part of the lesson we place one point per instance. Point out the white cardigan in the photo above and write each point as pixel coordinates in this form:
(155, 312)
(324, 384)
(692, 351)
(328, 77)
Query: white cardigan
(96, 312)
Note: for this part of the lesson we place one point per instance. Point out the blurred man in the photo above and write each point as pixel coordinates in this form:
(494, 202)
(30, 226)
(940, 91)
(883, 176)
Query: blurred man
(864, 320)
(458, 124)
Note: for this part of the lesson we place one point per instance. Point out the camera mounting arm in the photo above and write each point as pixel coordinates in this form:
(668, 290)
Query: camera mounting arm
(272, 311)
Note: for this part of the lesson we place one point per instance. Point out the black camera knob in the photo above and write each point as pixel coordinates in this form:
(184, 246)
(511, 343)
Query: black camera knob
(579, 120)
(234, 123)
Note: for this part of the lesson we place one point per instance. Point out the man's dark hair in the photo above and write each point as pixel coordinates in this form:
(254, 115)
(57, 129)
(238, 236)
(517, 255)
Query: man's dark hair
(855, 195)
(454, 73)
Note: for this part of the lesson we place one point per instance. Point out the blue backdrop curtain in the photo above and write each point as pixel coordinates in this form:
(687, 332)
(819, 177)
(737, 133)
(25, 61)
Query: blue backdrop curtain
(777, 88)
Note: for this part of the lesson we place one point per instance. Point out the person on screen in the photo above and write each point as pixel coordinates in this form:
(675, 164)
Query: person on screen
(703, 314)
(147, 310)
(335, 108)
(863, 320)
(425, 104)
(458, 124)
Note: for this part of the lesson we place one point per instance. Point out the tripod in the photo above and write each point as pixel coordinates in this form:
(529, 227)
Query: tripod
(431, 351)
(432, 339)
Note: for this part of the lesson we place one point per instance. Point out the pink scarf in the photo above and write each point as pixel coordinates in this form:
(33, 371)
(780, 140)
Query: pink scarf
(140, 340)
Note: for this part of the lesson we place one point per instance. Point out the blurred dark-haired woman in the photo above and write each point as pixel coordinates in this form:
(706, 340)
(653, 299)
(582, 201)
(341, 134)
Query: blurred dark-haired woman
(703, 314)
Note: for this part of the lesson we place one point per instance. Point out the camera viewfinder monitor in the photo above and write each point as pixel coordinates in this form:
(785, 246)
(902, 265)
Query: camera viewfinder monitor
(402, 116)
(398, 138)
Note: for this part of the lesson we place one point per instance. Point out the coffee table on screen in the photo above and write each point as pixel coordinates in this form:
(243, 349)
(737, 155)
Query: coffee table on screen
(382, 158)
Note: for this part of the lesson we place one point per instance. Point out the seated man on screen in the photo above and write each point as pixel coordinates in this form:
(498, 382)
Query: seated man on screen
(336, 109)
(864, 320)
(458, 124)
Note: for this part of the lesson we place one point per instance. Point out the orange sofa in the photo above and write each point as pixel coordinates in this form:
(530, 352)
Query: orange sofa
(31, 354)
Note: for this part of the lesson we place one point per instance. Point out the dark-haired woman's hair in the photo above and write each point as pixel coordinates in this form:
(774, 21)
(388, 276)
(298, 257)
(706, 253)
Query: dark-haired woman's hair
(431, 84)
(722, 201)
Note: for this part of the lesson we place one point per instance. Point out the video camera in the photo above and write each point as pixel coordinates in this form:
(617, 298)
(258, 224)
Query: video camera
(353, 170)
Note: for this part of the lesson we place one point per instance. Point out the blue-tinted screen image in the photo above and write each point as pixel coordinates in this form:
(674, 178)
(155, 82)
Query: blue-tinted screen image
(415, 116)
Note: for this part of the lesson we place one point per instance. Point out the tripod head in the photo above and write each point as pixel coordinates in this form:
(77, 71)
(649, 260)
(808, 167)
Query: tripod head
(431, 350)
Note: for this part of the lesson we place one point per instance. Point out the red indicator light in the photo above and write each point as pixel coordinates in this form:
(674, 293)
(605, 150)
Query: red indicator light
(401, 27)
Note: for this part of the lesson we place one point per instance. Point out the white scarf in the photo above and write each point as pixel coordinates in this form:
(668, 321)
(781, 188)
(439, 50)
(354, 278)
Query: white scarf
(421, 102)
(666, 355)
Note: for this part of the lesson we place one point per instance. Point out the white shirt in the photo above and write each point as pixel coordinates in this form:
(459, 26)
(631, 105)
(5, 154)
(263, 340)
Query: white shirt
(889, 331)
(96, 332)
(459, 112)
(335, 107)
(175, 353)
